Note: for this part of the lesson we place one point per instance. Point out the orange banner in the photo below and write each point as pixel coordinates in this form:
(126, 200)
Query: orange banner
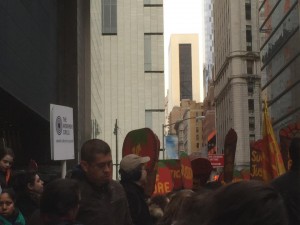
(272, 162)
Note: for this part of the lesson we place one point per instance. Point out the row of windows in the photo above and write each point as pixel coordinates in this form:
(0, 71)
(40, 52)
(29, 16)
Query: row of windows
(109, 15)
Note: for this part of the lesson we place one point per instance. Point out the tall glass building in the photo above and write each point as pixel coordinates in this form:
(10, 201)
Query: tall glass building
(280, 50)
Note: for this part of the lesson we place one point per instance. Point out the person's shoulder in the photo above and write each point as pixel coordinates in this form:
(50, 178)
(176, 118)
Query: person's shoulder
(116, 189)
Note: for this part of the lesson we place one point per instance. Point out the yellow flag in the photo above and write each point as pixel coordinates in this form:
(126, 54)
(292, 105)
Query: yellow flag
(272, 162)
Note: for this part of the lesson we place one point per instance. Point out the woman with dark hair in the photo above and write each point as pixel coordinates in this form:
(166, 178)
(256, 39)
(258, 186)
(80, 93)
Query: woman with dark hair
(60, 202)
(6, 160)
(28, 187)
(9, 214)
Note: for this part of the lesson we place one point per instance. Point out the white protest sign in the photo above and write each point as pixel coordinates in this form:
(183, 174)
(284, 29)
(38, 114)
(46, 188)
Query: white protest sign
(61, 132)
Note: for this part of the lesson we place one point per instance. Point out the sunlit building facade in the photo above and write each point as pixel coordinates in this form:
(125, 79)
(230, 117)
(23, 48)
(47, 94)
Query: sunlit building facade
(127, 46)
(237, 75)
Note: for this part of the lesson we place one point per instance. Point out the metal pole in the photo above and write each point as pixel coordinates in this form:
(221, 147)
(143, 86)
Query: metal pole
(117, 151)
(163, 140)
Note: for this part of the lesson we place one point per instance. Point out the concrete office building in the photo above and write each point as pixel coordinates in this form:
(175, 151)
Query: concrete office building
(237, 74)
(186, 126)
(127, 68)
(280, 51)
(189, 131)
(183, 69)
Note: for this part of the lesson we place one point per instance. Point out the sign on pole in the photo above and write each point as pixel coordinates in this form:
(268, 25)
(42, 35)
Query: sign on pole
(61, 132)
(216, 160)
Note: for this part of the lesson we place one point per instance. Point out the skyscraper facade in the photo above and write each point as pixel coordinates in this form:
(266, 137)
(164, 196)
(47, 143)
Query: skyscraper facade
(237, 74)
(280, 51)
(209, 44)
(127, 68)
(183, 69)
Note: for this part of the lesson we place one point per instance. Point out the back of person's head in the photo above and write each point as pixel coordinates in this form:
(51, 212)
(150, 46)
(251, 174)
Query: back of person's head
(173, 208)
(247, 203)
(59, 197)
(131, 167)
(21, 180)
(294, 152)
(157, 205)
(6, 151)
(92, 147)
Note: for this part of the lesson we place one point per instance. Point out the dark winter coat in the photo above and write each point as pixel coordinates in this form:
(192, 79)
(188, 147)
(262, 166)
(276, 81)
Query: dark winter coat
(288, 185)
(27, 203)
(106, 205)
(137, 204)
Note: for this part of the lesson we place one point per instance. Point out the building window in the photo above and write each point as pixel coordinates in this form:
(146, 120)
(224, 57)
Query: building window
(197, 137)
(250, 65)
(197, 129)
(153, 3)
(252, 138)
(248, 9)
(109, 17)
(185, 70)
(251, 123)
(251, 105)
(147, 52)
(148, 119)
(150, 40)
(249, 37)
(250, 88)
(197, 145)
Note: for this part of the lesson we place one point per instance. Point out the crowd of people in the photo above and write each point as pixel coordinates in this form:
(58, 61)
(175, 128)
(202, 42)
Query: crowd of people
(89, 196)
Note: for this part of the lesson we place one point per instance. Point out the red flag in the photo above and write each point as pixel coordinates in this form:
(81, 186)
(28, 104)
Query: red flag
(272, 162)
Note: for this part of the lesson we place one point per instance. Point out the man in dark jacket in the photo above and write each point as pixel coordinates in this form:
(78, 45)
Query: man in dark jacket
(289, 184)
(103, 200)
(133, 179)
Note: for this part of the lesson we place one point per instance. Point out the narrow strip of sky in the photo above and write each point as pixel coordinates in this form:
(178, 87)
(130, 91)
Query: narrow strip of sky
(183, 17)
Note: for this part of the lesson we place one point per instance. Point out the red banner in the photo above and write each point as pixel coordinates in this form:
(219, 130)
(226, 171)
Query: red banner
(186, 171)
(175, 170)
(256, 160)
(144, 142)
(164, 181)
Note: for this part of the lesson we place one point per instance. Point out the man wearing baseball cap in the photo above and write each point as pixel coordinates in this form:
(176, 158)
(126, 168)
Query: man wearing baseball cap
(133, 179)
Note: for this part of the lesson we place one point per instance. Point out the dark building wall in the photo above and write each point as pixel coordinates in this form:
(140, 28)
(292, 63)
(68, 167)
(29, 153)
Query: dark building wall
(28, 66)
(45, 58)
(280, 54)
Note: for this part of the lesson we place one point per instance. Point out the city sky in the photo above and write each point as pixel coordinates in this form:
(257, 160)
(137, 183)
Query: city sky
(183, 17)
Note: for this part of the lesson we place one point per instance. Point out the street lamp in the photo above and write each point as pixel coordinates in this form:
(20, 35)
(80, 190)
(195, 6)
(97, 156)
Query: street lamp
(170, 124)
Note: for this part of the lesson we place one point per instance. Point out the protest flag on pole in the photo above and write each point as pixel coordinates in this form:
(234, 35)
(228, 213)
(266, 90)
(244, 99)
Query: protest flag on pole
(272, 162)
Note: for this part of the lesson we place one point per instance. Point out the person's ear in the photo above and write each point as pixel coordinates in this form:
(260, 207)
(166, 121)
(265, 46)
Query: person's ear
(30, 187)
(84, 165)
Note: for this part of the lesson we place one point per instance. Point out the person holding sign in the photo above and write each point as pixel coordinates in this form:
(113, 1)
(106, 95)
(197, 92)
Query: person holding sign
(133, 179)
(103, 200)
